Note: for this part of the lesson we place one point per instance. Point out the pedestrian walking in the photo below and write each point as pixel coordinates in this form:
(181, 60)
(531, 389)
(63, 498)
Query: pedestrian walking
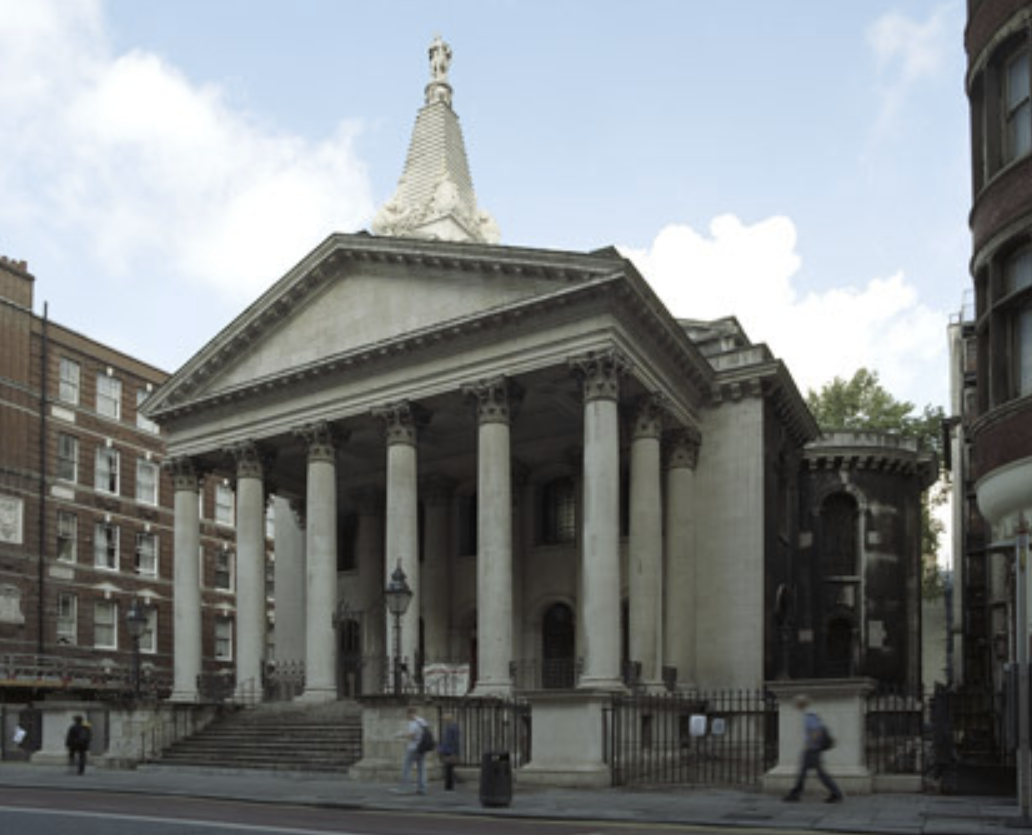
(448, 750)
(816, 740)
(77, 741)
(419, 741)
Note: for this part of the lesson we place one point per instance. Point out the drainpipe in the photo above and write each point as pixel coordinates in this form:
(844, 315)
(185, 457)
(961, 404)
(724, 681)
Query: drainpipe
(40, 607)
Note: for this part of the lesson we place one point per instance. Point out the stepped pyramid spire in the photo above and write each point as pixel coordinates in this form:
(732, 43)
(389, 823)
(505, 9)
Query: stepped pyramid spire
(435, 198)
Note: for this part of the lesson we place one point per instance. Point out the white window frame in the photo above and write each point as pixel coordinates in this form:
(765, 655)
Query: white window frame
(70, 385)
(106, 546)
(67, 536)
(146, 548)
(107, 477)
(224, 554)
(63, 439)
(148, 475)
(223, 638)
(1022, 340)
(67, 619)
(142, 421)
(149, 638)
(225, 502)
(105, 617)
(109, 396)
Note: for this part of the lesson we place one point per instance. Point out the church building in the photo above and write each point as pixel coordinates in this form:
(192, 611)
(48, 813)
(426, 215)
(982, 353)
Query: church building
(581, 490)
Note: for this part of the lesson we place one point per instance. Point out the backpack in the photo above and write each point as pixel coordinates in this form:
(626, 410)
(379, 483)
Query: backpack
(426, 741)
(824, 739)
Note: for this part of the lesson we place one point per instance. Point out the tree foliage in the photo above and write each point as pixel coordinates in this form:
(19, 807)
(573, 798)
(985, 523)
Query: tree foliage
(862, 403)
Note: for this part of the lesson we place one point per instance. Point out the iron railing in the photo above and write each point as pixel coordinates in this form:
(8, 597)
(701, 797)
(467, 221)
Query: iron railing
(488, 726)
(894, 731)
(104, 679)
(721, 738)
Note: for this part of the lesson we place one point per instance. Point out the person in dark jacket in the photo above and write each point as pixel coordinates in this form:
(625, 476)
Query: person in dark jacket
(449, 750)
(77, 741)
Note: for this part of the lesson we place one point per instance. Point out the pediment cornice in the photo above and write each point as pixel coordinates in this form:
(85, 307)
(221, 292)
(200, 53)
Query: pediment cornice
(771, 381)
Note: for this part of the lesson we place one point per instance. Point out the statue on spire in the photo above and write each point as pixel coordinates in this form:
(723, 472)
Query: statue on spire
(440, 60)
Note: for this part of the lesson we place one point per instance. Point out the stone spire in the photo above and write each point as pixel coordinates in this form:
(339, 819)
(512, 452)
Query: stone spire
(435, 198)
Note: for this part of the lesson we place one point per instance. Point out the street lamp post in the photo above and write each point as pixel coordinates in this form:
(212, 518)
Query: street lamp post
(136, 622)
(398, 596)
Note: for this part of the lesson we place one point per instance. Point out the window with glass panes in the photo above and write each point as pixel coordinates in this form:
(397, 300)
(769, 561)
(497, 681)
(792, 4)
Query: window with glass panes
(558, 512)
(105, 624)
(1017, 107)
(67, 619)
(224, 569)
(223, 504)
(67, 457)
(223, 639)
(142, 421)
(68, 390)
(107, 471)
(105, 546)
(1018, 303)
(109, 396)
(67, 536)
(146, 553)
(146, 482)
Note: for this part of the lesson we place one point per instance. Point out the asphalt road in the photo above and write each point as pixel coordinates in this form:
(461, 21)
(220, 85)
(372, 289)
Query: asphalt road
(70, 812)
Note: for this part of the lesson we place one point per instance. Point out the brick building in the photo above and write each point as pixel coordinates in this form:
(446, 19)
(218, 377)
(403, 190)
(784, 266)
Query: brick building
(86, 511)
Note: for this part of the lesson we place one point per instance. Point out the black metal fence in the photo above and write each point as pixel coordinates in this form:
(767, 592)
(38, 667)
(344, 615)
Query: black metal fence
(717, 738)
(894, 731)
(488, 725)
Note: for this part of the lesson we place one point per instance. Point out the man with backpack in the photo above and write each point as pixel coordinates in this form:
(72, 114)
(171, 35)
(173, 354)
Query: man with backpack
(816, 740)
(420, 742)
(77, 741)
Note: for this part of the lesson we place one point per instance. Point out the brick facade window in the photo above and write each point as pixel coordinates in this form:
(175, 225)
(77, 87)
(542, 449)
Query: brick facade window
(1017, 107)
(224, 505)
(67, 536)
(70, 373)
(105, 624)
(109, 396)
(106, 477)
(223, 639)
(143, 422)
(105, 546)
(147, 554)
(147, 482)
(67, 457)
(67, 619)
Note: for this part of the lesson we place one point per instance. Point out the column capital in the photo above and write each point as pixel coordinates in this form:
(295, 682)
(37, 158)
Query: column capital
(322, 439)
(184, 473)
(497, 399)
(250, 459)
(599, 372)
(681, 447)
(647, 417)
(436, 490)
(402, 421)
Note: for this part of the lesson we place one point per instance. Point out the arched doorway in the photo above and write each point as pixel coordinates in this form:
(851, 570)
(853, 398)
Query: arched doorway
(558, 648)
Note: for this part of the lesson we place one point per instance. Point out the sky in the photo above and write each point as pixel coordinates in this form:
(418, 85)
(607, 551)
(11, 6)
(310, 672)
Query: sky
(802, 165)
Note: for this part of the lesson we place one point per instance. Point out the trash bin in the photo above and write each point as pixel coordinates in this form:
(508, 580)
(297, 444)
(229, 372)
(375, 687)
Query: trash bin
(495, 779)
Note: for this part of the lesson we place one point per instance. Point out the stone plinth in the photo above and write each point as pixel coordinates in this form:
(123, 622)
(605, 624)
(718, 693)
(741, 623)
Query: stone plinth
(840, 704)
(384, 737)
(567, 740)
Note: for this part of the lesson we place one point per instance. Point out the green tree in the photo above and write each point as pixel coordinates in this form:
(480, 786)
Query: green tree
(862, 403)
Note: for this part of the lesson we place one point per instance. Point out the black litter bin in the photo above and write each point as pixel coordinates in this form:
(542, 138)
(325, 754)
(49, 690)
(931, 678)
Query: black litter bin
(495, 779)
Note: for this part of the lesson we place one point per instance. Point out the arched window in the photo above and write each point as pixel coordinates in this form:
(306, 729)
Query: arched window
(840, 535)
(558, 646)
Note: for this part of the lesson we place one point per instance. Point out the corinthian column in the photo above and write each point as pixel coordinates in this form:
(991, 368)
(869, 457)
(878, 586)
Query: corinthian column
(645, 558)
(436, 572)
(250, 545)
(321, 553)
(186, 580)
(600, 594)
(401, 423)
(680, 613)
(369, 549)
(494, 399)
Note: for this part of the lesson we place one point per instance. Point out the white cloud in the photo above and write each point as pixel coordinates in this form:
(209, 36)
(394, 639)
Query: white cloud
(906, 52)
(151, 169)
(747, 271)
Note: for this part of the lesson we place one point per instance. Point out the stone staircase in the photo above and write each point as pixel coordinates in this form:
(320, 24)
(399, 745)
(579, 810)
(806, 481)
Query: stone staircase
(324, 738)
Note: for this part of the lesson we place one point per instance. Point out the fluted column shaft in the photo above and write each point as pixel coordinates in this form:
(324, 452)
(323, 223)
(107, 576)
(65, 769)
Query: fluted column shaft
(645, 559)
(186, 622)
(250, 592)
(494, 535)
(321, 554)
(600, 596)
(680, 627)
(290, 581)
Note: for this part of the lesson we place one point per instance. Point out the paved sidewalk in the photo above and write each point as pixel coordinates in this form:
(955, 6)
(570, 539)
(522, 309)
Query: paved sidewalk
(718, 808)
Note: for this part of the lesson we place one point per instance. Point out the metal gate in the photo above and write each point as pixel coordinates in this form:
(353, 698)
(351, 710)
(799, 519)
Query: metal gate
(717, 738)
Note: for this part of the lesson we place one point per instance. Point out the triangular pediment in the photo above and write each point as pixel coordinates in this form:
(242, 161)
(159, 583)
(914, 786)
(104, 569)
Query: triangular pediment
(356, 292)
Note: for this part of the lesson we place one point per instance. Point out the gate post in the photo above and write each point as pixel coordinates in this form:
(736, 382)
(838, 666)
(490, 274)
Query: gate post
(840, 702)
(567, 739)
